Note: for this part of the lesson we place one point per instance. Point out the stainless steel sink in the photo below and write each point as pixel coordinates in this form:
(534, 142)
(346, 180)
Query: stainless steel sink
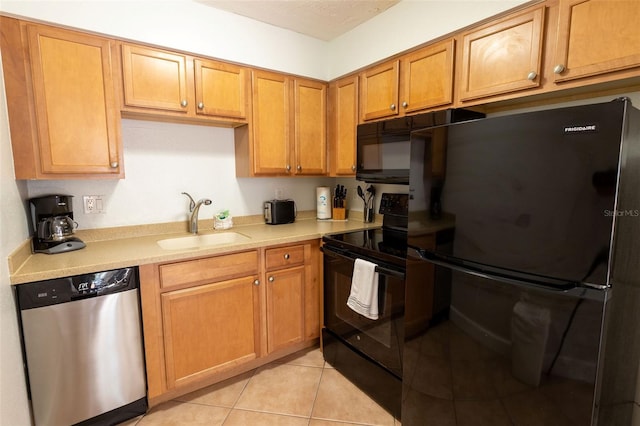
(202, 241)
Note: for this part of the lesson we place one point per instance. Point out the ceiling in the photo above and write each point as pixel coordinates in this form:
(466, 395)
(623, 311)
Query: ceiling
(321, 19)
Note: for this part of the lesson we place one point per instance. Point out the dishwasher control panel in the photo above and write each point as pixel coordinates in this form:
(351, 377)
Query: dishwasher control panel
(61, 290)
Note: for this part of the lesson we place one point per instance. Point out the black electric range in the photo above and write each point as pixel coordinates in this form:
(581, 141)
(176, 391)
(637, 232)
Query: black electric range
(388, 243)
(367, 351)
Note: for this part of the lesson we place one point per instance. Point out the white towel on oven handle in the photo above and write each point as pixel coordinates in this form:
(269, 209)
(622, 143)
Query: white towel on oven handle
(363, 297)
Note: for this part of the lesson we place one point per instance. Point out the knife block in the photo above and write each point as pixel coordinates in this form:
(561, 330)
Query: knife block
(339, 213)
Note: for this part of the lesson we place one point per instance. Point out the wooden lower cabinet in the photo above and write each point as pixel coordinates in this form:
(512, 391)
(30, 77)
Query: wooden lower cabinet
(209, 328)
(210, 318)
(285, 308)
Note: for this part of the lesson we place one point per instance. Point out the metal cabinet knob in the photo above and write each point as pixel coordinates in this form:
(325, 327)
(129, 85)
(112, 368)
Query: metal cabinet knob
(114, 164)
(288, 167)
(256, 282)
(184, 103)
(532, 75)
(393, 107)
(558, 69)
(271, 279)
(353, 168)
(299, 168)
(200, 105)
(405, 104)
(286, 256)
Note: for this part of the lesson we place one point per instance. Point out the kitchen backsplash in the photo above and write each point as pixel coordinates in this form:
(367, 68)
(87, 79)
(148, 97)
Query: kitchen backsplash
(162, 160)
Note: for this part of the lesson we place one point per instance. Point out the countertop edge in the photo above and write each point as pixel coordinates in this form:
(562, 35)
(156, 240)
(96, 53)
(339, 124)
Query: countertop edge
(102, 255)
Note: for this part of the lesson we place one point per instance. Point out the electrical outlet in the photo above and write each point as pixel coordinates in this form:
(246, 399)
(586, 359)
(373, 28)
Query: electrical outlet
(93, 204)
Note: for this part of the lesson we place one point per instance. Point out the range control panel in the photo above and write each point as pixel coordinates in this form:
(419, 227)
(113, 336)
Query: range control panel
(394, 204)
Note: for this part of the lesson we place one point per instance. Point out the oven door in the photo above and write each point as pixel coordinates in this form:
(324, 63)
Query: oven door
(380, 340)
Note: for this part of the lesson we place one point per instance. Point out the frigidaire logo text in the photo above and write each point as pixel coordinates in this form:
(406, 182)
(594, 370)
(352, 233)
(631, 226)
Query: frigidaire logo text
(587, 128)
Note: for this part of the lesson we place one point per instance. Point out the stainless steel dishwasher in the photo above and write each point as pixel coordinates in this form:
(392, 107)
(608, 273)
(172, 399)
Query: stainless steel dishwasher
(82, 346)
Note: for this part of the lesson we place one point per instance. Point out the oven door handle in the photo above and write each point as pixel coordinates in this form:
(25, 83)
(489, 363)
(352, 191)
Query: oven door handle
(346, 254)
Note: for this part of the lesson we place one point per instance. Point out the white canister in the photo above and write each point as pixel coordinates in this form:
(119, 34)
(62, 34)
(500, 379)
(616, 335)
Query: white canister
(323, 202)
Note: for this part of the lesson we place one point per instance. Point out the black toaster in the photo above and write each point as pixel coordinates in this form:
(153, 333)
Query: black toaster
(277, 212)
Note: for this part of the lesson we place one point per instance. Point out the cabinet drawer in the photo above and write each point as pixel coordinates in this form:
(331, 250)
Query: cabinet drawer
(209, 269)
(281, 257)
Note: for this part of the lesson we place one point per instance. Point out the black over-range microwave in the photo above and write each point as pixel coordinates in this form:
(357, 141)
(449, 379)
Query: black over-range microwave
(384, 147)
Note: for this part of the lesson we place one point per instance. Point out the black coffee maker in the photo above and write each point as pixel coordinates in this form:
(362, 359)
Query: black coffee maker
(52, 221)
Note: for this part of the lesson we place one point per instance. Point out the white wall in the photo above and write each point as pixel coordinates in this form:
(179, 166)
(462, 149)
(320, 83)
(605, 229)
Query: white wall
(13, 231)
(186, 25)
(405, 25)
(194, 27)
(161, 161)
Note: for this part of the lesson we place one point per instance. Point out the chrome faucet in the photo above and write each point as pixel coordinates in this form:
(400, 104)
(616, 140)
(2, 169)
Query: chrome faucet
(193, 209)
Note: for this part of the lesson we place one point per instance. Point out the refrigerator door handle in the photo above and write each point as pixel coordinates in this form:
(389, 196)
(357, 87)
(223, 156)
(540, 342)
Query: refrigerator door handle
(568, 288)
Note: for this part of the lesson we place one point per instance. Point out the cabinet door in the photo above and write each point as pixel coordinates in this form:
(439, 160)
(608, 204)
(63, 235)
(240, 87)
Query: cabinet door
(210, 328)
(427, 77)
(75, 103)
(379, 91)
(502, 57)
(596, 37)
(154, 79)
(343, 126)
(221, 89)
(271, 138)
(310, 124)
(285, 307)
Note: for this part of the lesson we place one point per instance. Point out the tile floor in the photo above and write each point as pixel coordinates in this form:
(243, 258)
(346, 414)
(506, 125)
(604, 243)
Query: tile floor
(299, 390)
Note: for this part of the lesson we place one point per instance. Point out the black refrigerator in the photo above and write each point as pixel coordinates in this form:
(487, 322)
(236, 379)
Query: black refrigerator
(523, 270)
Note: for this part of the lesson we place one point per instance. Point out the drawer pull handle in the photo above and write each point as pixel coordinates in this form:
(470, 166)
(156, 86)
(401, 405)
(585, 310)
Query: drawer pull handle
(256, 282)
(286, 256)
(271, 279)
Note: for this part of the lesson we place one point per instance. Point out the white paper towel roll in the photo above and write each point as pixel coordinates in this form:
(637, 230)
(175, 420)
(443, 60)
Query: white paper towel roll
(323, 202)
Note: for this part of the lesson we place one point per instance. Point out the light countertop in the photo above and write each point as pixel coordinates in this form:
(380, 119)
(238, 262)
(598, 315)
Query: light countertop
(123, 249)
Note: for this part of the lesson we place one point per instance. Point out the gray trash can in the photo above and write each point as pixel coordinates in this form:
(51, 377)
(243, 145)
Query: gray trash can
(529, 333)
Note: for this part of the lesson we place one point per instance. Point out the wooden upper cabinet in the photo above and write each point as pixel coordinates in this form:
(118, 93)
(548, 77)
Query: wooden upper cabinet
(155, 79)
(271, 139)
(596, 37)
(417, 81)
(343, 122)
(64, 115)
(169, 83)
(427, 77)
(503, 56)
(379, 91)
(221, 89)
(310, 127)
(287, 133)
